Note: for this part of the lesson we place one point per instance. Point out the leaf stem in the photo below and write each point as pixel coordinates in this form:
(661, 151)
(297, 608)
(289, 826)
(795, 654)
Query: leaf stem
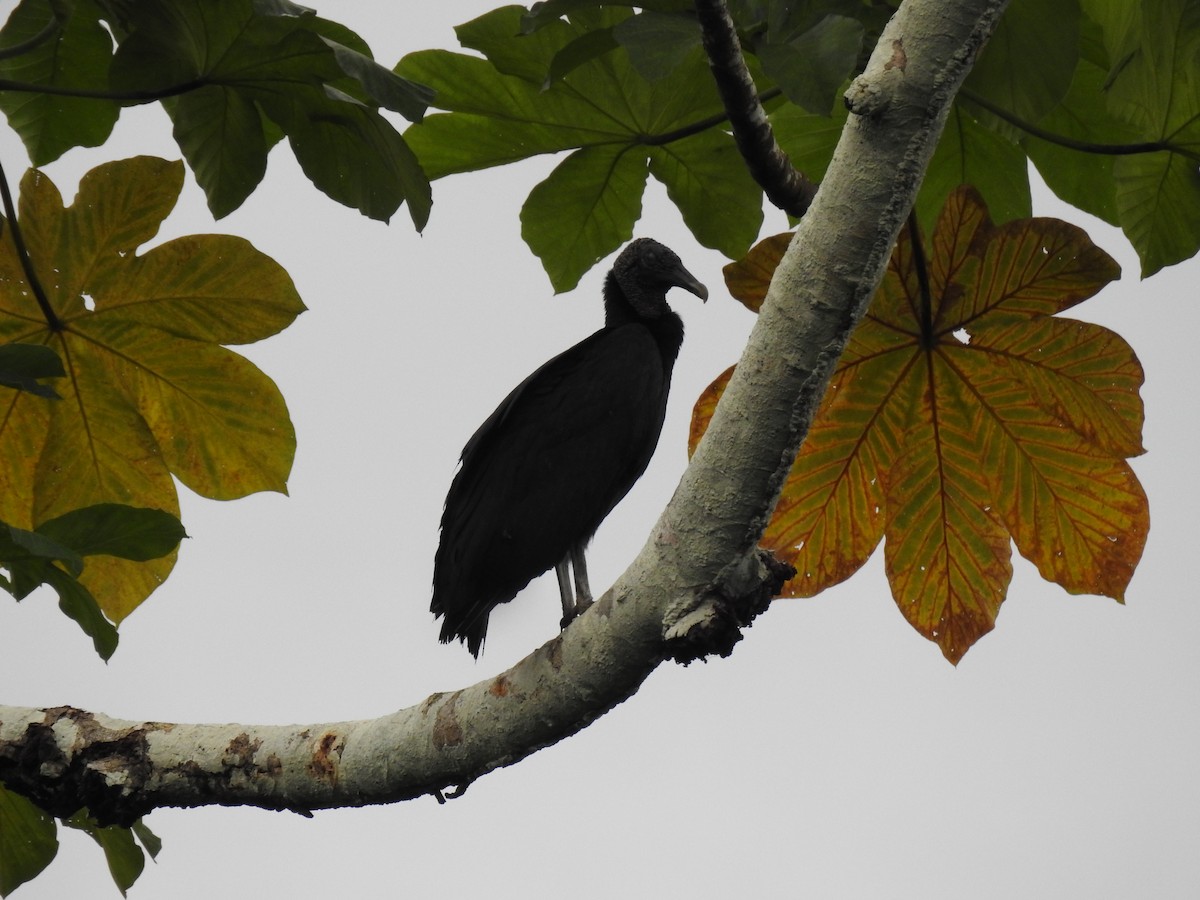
(35, 285)
(25, 46)
(925, 307)
(686, 131)
(1071, 143)
(120, 96)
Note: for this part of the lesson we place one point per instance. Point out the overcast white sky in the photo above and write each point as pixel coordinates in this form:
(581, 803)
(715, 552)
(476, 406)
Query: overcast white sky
(836, 754)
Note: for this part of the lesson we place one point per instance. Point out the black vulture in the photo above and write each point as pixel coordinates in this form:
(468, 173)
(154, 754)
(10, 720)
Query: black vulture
(561, 450)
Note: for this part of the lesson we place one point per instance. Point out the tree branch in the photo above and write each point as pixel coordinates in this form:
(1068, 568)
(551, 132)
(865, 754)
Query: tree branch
(697, 578)
(784, 185)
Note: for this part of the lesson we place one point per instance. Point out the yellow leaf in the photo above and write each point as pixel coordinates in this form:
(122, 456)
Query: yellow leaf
(962, 416)
(149, 392)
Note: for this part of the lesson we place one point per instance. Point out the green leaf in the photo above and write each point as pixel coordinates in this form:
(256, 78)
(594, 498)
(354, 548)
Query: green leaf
(125, 858)
(706, 172)
(658, 43)
(151, 841)
(103, 529)
(220, 133)
(1159, 200)
(28, 841)
(1118, 22)
(113, 529)
(21, 365)
(583, 49)
(970, 154)
(77, 56)
(528, 58)
(1085, 180)
(383, 86)
(107, 529)
(22, 545)
(809, 139)
(599, 187)
(1027, 65)
(1156, 89)
(78, 604)
(811, 67)
(312, 78)
(604, 110)
(352, 154)
(476, 136)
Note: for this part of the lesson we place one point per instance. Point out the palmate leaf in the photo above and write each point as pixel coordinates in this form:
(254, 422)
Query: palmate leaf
(150, 392)
(617, 125)
(963, 420)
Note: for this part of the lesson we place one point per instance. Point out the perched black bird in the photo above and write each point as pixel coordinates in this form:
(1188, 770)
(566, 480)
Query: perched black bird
(560, 452)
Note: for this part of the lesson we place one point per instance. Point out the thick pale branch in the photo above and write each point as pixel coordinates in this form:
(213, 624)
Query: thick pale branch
(665, 601)
(64, 758)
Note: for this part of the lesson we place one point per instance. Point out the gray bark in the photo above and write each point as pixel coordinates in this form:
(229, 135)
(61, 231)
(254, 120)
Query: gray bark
(697, 577)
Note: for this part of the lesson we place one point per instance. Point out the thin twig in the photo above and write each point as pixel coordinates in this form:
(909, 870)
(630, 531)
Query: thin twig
(42, 36)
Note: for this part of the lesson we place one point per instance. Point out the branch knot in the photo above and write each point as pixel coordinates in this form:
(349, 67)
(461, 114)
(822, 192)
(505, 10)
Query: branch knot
(712, 621)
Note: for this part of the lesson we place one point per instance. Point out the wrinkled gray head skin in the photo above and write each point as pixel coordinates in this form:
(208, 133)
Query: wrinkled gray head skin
(646, 270)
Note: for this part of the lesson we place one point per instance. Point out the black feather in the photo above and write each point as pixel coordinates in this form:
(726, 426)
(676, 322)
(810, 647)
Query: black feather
(563, 448)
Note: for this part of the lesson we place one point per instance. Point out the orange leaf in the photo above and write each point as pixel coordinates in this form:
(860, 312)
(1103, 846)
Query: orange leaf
(963, 415)
(947, 554)
(749, 277)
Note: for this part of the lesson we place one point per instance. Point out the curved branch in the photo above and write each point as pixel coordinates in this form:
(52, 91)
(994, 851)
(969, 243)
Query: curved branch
(784, 185)
(64, 758)
(662, 604)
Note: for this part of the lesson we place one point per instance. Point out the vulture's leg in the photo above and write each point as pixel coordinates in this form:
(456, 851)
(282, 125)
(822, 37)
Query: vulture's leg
(564, 590)
(583, 591)
(573, 603)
